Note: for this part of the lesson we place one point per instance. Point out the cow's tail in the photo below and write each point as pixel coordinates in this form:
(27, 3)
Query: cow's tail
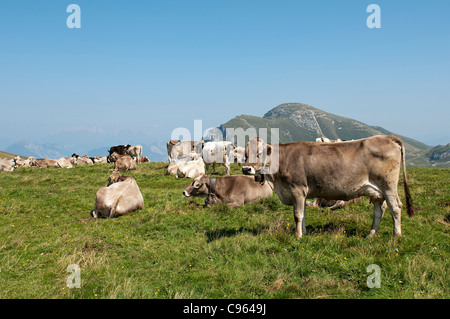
(409, 201)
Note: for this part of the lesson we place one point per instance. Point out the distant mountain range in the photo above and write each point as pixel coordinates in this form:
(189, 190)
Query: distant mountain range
(295, 121)
(302, 122)
(155, 152)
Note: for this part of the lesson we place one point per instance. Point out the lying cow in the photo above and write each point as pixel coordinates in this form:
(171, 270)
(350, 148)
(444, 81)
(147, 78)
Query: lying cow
(7, 165)
(120, 198)
(123, 162)
(45, 162)
(191, 169)
(341, 171)
(186, 169)
(234, 190)
(99, 160)
(64, 163)
(24, 162)
(332, 203)
(81, 160)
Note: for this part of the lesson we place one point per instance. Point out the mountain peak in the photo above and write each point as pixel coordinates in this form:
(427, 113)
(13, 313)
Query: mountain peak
(287, 109)
(303, 122)
(303, 115)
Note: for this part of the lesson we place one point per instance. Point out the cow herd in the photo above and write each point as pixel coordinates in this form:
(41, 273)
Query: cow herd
(335, 173)
(128, 152)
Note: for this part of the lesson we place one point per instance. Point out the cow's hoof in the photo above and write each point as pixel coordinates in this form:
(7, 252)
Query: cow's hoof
(372, 233)
(397, 233)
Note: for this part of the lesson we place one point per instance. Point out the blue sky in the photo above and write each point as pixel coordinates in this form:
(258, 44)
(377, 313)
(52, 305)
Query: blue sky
(152, 66)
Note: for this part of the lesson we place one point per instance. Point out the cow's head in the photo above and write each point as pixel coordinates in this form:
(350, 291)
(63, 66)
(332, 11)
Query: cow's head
(114, 177)
(260, 158)
(32, 161)
(112, 157)
(199, 187)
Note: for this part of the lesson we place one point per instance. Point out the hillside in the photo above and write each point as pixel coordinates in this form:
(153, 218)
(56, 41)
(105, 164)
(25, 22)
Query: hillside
(7, 155)
(176, 248)
(302, 122)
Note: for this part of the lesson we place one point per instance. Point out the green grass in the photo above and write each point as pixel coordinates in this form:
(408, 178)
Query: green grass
(176, 248)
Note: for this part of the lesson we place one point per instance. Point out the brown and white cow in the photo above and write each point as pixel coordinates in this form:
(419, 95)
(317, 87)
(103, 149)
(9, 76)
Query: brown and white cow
(234, 190)
(118, 199)
(342, 171)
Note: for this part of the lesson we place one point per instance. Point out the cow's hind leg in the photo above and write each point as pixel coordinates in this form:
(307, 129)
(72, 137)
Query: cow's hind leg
(395, 207)
(378, 211)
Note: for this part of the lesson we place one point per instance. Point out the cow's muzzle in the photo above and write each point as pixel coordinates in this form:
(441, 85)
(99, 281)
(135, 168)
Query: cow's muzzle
(248, 170)
(259, 178)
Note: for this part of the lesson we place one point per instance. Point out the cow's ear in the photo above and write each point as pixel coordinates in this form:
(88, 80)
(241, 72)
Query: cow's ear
(197, 184)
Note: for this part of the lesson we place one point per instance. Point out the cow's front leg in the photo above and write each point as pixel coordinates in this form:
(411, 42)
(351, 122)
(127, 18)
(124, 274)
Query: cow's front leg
(299, 216)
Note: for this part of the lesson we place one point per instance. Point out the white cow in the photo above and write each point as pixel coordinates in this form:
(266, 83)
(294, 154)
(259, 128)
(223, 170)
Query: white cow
(239, 155)
(64, 163)
(135, 152)
(218, 153)
(191, 169)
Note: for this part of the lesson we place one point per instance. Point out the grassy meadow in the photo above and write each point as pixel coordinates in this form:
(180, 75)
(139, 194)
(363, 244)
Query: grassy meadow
(176, 248)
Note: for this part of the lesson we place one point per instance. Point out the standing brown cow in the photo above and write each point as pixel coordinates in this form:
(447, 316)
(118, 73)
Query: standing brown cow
(342, 171)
